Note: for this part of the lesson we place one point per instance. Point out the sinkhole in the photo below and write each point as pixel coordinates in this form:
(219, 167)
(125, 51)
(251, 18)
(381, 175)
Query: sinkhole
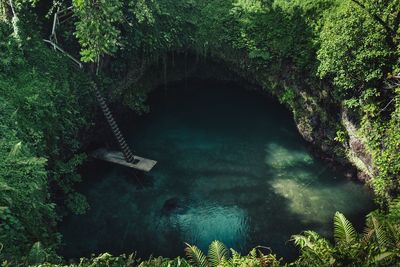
(231, 166)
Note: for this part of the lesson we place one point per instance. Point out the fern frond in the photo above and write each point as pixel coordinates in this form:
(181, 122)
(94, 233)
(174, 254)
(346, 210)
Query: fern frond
(344, 231)
(235, 257)
(302, 241)
(306, 239)
(393, 232)
(37, 254)
(16, 149)
(216, 252)
(394, 209)
(196, 256)
(268, 260)
(374, 230)
(382, 258)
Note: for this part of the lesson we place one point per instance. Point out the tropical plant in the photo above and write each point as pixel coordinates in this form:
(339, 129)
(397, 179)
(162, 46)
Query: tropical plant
(164, 262)
(219, 256)
(377, 246)
(316, 56)
(314, 250)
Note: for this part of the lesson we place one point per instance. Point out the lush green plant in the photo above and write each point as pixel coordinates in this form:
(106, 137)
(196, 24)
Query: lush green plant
(42, 104)
(378, 245)
(315, 56)
(353, 51)
(96, 28)
(383, 140)
(219, 256)
(359, 48)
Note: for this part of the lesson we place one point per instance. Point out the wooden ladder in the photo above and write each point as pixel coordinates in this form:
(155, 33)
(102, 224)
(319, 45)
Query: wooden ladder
(115, 129)
(129, 159)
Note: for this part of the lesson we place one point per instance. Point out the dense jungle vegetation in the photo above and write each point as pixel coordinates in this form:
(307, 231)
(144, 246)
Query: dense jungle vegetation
(334, 63)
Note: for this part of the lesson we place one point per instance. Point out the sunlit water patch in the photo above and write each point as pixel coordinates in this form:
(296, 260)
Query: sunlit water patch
(231, 166)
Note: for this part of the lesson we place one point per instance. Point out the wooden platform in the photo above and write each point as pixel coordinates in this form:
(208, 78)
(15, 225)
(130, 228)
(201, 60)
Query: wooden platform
(117, 157)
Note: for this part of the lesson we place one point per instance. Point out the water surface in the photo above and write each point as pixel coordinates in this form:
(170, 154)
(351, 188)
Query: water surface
(231, 166)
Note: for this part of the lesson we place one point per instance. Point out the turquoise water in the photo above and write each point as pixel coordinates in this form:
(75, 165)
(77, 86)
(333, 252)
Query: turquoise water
(231, 166)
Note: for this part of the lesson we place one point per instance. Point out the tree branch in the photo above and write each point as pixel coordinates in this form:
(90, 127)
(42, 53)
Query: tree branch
(387, 105)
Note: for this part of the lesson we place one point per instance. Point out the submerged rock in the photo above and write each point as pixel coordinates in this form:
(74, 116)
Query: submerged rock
(172, 205)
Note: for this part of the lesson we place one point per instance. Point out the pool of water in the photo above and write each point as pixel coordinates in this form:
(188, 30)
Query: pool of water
(231, 166)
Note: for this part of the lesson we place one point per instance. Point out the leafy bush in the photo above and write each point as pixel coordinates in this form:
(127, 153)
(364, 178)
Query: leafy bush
(44, 107)
(315, 56)
(378, 246)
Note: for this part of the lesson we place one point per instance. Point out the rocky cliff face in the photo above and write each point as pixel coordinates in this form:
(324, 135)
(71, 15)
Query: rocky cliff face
(319, 127)
(356, 150)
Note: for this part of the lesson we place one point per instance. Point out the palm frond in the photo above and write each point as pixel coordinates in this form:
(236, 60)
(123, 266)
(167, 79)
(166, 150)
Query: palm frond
(216, 252)
(344, 231)
(196, 256)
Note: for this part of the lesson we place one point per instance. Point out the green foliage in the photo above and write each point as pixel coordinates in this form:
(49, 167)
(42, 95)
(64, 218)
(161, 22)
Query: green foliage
(374, 231)
(383, 137)
(96, 28)
(315, 251)
(10, 55)
(217, 253)
(42, 100)
(341, 136)
(353, 50)
(51, 106)
(24, 209)
(106, 259)
(255, 258)
(359, 48)
(65, 176)
(345, 234)
(378, 245)
(196, 256)
(218, 256)
(137, 102)
(288, 97)
(143, 10)
(37, 255)
(164, 262)
(292, 48)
